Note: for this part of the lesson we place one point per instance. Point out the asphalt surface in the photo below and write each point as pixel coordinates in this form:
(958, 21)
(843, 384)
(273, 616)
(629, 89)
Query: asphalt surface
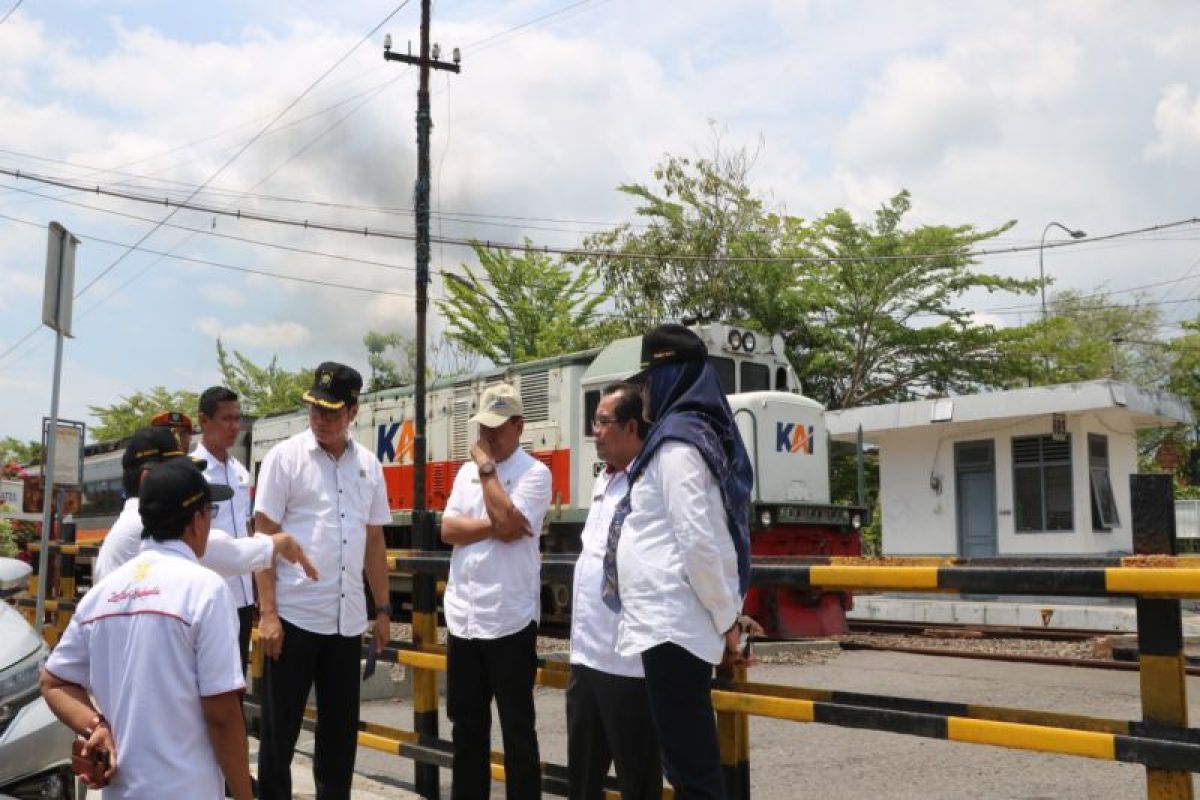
(794, 760)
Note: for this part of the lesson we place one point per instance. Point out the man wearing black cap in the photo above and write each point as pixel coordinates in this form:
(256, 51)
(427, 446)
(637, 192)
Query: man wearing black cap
(146, 448)
(155, 645)
(329, 491)
(225, 555)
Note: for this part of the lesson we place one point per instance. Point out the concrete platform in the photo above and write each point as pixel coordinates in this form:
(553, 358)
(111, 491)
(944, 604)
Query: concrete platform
(1052, 613)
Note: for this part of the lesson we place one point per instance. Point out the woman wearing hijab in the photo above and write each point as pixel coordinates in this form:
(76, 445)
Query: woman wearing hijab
(678, 560)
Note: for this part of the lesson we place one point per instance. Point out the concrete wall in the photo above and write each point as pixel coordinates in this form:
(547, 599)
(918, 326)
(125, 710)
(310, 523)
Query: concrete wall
(919, 521)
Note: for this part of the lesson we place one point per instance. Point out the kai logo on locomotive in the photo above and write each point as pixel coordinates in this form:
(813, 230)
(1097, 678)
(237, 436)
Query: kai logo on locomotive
(394, 442)
(792, 437)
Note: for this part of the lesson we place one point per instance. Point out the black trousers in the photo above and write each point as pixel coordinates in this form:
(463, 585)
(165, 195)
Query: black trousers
(332, 663)
(679, 685)
(476, 671)
(245, 624)
(608, 719)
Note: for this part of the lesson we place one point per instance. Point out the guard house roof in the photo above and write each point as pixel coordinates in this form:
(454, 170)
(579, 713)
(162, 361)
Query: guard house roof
(1145, 408)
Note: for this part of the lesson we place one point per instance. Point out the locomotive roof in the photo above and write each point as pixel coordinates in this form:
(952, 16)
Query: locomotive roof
(538, 365)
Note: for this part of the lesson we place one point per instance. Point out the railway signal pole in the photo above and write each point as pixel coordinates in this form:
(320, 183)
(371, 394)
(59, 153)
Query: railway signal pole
(425, 719)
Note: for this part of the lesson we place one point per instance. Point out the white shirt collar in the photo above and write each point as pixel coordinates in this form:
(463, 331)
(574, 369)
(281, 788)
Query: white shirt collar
(176, 546)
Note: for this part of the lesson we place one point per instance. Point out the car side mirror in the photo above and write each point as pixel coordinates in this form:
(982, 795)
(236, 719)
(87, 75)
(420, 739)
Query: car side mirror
(14, 574)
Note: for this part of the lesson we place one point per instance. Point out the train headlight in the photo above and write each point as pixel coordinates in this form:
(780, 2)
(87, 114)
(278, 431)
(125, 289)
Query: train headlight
(749, 341)
(765, 518)
(734, 339)
(856, 522)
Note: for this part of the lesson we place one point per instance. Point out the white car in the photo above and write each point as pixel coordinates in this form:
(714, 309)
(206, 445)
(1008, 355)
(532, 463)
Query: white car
(35, 748)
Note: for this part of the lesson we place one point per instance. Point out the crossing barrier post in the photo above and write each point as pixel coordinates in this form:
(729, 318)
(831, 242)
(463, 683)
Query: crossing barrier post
(1160, 630)
(66, 578)
(733, 735)
(424, 634)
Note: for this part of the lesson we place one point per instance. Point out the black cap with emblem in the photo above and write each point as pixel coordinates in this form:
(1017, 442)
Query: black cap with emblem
(669, 344)
(174, 490)
(148, 445)
(334, 386)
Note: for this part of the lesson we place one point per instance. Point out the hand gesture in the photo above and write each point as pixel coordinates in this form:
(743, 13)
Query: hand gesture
(480, 452)
(287, 548)
(383, 631)
(101, 741)
(737, 651)
(270, 635)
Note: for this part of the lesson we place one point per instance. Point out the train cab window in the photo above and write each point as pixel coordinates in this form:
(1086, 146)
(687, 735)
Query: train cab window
(755, 377)
(726, 373)
(781, 379)
(591, 400)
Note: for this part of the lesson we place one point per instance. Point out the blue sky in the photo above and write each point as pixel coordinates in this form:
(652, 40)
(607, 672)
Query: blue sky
(1085, 112)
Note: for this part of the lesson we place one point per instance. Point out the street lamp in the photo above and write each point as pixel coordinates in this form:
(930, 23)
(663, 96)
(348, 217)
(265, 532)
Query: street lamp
(470, 287)
(1074, 234)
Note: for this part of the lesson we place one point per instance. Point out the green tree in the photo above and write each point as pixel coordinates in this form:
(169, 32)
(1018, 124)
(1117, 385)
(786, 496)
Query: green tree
(262, 390)
(673, 264)
(547, 307)
(890, 322)
(14, 451)
(1090, 336)
(384, 371)
(134, 411)
(870, 311)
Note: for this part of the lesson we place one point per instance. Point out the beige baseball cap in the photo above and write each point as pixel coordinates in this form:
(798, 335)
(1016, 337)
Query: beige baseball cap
(498, 404)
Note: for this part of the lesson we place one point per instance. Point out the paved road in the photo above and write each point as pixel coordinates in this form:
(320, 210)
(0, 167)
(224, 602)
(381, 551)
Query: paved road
(791, 760)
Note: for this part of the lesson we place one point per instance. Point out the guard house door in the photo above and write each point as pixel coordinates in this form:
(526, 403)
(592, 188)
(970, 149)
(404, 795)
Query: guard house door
(975, 498)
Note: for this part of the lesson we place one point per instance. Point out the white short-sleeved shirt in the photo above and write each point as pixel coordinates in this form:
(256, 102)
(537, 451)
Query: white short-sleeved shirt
(121, 543)
(593, 624)
(494, 588)
(676, 564)
(327, 504)
(226, 556)
(148, 642)
(233, 515)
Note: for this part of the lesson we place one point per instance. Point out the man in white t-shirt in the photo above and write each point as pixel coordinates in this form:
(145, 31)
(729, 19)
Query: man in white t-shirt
(155, 644)
(220, 424)
(608, 714)
(493, 518)
(328, 490)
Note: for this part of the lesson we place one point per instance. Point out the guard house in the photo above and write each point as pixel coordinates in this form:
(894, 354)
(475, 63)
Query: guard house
(1037, 471)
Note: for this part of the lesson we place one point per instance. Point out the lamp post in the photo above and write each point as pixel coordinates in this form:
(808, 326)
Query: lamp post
(1074, 234)
(464, 283)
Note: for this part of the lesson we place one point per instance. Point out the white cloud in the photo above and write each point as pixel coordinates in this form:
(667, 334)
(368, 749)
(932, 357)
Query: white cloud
(266, 336)
(1177, 123)
(221, 294)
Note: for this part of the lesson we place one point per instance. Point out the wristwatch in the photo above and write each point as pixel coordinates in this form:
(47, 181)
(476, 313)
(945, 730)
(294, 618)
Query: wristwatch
(487, 468)
(383, 608)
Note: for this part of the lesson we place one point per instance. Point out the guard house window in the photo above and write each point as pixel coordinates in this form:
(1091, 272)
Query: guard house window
(1042, 484)
(1104, 503)
(755, 377)
(726, 373)
(591, 401)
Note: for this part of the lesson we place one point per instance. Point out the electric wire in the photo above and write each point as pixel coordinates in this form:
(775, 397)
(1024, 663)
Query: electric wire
(10, 11)
(367, 231)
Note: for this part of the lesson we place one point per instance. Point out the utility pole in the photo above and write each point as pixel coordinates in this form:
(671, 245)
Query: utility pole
(424, 627)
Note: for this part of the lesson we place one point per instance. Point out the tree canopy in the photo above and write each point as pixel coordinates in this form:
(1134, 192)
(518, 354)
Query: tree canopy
(520, 306)
(135, 411)
(262, 390)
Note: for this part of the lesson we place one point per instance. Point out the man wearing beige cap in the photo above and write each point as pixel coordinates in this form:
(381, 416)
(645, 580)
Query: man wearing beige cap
(494, 520)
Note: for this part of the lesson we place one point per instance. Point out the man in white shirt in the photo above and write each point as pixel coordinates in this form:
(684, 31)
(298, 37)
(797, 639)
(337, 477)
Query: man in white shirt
(608, 714)
(220, 424)
(329, 491)
(493, 518)
(154, 644)
(224, 555)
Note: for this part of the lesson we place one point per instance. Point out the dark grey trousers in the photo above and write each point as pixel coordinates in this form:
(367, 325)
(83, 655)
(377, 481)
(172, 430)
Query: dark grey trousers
(608, 719)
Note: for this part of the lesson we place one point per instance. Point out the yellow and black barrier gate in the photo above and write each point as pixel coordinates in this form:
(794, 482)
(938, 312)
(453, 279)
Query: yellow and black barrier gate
(1161, 741)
